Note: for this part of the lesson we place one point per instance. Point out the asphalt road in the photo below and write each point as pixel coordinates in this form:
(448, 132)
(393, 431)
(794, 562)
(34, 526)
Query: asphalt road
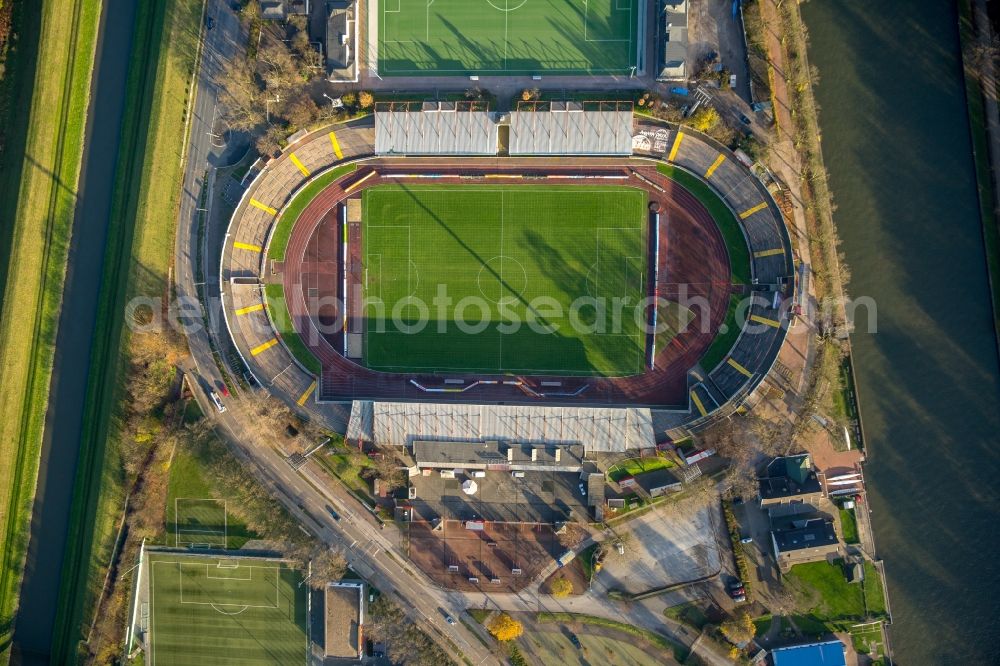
(301, 493)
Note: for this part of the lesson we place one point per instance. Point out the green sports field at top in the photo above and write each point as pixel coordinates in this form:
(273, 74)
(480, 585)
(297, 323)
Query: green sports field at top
(464, 37)
(218, 610)
(545, 257)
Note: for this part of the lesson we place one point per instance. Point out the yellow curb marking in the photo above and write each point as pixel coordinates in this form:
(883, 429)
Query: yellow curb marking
(297, 162)
(764, 320)
(250, 308)
(715, 165)
(336, 146)
(263, 206)
(739, 367)
(676, 146)
(305, 396)
(697, 403)
(750, 211)
(264, 346)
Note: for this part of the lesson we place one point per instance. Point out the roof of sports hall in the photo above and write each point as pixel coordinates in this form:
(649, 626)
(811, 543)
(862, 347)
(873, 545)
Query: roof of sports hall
(571, 128)
(434, 128)
(596, 428)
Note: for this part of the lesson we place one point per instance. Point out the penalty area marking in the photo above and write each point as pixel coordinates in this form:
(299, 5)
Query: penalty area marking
(214, 604)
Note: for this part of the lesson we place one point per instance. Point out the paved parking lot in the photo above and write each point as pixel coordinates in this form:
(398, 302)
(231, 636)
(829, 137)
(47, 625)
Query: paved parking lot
(672, 544)
(538, 497)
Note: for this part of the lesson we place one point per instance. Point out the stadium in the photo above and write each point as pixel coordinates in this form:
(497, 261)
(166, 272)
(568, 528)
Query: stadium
(564, 255)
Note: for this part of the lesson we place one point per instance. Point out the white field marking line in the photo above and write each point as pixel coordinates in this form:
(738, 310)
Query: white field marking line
(209, 567)
(177, 523)
(364, 352)
(502, 216)
(586, 16)
(506, 7)
(276, 605)
(219, 610)
(573, 190)
(384, 27)
(576, 71)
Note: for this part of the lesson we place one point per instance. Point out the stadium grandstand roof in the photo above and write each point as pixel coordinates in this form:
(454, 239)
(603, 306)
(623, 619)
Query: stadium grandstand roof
(598, 429)
(434, 128)
(571, 128)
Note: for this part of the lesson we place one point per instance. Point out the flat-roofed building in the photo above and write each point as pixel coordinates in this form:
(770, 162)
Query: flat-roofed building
(658, 482)
(434, 128)
(340, 43)
(598, 429)
(498, 456)
(826, 653)
(674, 20)
(571, 128)
(343, 635)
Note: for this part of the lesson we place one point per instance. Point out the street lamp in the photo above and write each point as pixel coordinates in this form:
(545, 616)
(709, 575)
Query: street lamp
(267, 106)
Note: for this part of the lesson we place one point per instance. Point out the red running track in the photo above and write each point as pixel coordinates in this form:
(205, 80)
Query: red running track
(693, 263)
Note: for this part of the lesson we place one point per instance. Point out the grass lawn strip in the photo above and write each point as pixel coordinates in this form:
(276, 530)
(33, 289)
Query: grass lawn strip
(290, 215)
(140, 247)
(634, 466)
(42, 224)
(848, 526)
(658, 640)
(834, 604)
(525, 254)
(725, 339)
(187, 482)
(277, 309)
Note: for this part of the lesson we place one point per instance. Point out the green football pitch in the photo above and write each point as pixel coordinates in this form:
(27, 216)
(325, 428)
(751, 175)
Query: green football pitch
(464, 37)
(211, 610)
(527, 269)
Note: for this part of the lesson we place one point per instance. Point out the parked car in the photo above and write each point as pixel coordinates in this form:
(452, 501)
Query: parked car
(583, 491)
(449, 619)
(330, 510)
(746, 539)
(209, 22)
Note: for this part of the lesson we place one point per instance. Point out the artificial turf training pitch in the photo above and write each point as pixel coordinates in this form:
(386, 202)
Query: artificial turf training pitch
(461, 37)
(202, 613)
(521, 253)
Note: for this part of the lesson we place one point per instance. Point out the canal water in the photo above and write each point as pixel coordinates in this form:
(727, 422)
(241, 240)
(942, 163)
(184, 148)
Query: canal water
(896, 143)
(33, 628)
